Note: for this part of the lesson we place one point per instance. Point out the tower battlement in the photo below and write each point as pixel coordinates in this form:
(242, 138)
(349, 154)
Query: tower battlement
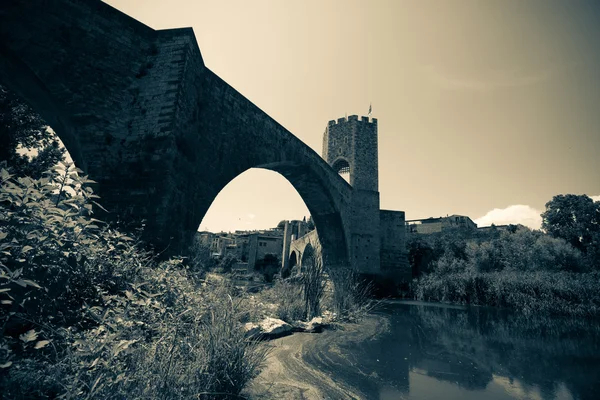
(351, 118)
(350, 145)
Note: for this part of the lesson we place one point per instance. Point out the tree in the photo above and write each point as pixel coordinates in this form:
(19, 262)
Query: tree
(575, 218)
(29, 147)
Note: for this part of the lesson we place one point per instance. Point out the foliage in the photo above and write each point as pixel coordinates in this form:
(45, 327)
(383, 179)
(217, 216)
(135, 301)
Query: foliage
(518, 249)
(51, 238)
(518, 268)
(87, 313)
(199, 258)
(312, 281)
(299, 296)
(576, 219)
(351, 300)
(420, 256)
(287, 294)
(424, 251)
(226, 263)
(22, 129)
(531, 292)
(268, 266)
(524, 250)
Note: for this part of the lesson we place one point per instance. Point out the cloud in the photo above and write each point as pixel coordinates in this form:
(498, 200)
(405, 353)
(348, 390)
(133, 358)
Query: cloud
(251, 216)
(494, 79)
(515, 214)
(596, 198)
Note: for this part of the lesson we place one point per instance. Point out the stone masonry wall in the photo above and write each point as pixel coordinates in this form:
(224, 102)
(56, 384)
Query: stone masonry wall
(393, 242)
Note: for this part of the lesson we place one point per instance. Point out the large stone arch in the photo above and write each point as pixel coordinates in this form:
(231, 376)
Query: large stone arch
(18, 77)
(142, 115)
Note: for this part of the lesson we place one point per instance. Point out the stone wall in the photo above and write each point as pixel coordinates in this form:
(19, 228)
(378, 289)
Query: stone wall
(393, 243)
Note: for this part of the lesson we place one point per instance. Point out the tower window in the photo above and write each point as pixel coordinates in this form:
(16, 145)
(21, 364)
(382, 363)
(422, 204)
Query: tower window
(342, 167)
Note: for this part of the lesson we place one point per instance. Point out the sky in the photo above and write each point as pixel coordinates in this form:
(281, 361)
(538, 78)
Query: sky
(485, 108)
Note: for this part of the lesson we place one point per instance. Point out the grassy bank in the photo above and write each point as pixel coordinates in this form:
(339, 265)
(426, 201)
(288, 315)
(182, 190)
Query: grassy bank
(87, 312)
(520, 269)
(538, 292)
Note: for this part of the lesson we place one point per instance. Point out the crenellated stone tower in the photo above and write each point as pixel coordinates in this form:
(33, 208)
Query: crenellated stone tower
(350, 145)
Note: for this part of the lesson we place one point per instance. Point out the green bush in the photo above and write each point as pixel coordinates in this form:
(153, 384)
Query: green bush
(226, 263)
(519, 268)
(87, 313)
(542, 292)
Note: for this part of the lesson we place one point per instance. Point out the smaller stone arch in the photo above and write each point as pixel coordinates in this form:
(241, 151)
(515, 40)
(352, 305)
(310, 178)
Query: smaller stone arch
(293, 262)
(341, 166)
(307, 254)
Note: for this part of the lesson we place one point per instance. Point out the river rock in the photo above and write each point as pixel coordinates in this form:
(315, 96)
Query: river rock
(252, 329)
(314, 325)
(269, 327)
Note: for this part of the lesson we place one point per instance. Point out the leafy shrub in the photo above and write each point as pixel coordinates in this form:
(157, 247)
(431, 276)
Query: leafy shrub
(542, 292)
(226, 263)
(87, 313)
(199, 258)
(50, 238)
(519, 268)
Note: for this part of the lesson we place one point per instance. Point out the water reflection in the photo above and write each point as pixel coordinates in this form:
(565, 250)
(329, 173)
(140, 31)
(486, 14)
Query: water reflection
(432, 352)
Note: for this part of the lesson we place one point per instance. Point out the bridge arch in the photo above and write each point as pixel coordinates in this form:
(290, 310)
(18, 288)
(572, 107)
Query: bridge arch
(293, 259)
(311, 187)
(17, 77)
(308, 255)
(158, 131)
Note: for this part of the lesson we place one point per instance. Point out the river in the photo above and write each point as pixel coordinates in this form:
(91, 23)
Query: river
(412, 350)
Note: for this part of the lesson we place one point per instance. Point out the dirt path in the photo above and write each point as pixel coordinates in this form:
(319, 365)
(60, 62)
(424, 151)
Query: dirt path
(315, 366)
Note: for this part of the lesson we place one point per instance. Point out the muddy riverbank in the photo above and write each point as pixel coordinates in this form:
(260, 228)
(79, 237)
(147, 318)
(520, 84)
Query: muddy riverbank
(302, 365)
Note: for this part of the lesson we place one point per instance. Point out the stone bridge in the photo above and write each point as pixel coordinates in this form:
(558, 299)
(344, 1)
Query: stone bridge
(160, 133)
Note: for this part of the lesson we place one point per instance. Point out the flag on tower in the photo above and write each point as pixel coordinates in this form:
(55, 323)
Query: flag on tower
(370, 109)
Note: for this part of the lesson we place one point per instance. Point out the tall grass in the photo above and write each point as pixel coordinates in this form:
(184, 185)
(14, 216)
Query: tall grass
(544, 292)
(287, 294)
(341, 291)
(351, 299)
